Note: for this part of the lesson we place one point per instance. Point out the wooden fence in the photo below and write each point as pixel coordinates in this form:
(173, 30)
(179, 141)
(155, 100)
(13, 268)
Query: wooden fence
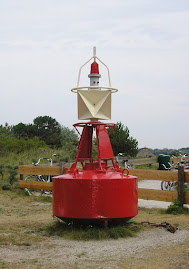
(146, 174)
(38, 170)
(179, 176)
(151, 160)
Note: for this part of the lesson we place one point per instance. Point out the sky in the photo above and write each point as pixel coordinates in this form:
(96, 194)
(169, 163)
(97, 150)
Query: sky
(144, 43)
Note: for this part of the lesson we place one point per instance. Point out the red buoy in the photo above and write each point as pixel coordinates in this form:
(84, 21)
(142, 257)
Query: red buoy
(98, 189)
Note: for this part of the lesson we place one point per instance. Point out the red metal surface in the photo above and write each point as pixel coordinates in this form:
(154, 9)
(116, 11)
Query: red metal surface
(105, 148)
(94, 68)
(95, 195)
(103, 145)
(97, 191)
(85, 146)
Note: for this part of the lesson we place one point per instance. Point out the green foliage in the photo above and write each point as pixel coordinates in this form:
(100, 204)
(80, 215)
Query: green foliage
(48, 130)
(2, 170)
(184, 150)
(171, 152)
(45, 128)
(122, 142)
(6, 130)
(12, 174)
(120, 232)
(12, 159)
(66, 158)
(6, 187)
(16, 186)
(176, 208)
(95, 151)
(68, 136)
(45, 199)
(24, 131)
(12, 144)
(69, 141)
(82, 232)
(28, 142)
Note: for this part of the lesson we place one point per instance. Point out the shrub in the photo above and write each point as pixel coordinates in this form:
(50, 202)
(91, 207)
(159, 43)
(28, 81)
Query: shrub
(13, 173)
(12, 144)
(6, 187)
(16, 186)
(176, 208)
(2, 170)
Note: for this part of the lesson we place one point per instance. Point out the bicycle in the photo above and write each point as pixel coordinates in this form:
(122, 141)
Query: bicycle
(40, 178)
(168, 185)
(125, 161)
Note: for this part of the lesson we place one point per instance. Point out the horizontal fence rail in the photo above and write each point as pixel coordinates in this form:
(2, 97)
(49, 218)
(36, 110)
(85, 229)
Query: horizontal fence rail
(148, 174)
(36, 185)
(178, 159)
(141, 161)
(159, 195)
(39, 170)
(149, 160)
(145, 174)
(136, 161)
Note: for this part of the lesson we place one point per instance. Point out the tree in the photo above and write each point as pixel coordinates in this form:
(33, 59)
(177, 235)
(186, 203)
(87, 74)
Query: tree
(7, 130)
(48, 130)
(19, 130)
(69, 140)
(25, 131)
(68, 136)
(122, 142)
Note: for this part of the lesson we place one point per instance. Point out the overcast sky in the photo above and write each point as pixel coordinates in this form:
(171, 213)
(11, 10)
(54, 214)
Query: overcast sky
(145, 43)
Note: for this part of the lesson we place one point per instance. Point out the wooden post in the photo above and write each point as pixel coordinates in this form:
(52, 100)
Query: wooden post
(181, 185)
(61, 167)
(106, 224)
(21, 176)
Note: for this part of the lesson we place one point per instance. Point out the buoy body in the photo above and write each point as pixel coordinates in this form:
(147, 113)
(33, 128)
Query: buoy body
(95, 195)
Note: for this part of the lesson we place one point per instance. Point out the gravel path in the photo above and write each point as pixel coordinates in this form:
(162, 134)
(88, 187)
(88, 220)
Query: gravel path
(70, 250)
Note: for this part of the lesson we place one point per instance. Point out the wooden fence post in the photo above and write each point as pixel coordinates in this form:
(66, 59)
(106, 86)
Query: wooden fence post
(61, 167)
(21, 176)
(181, 185)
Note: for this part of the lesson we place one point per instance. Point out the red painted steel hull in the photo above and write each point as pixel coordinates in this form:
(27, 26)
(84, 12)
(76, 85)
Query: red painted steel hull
(95, 195)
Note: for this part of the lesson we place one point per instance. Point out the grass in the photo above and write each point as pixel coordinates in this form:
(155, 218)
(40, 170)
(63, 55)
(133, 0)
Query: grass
(147, 166)
(21, 216)
(19, 239)
(175, 208)
(96, 232)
